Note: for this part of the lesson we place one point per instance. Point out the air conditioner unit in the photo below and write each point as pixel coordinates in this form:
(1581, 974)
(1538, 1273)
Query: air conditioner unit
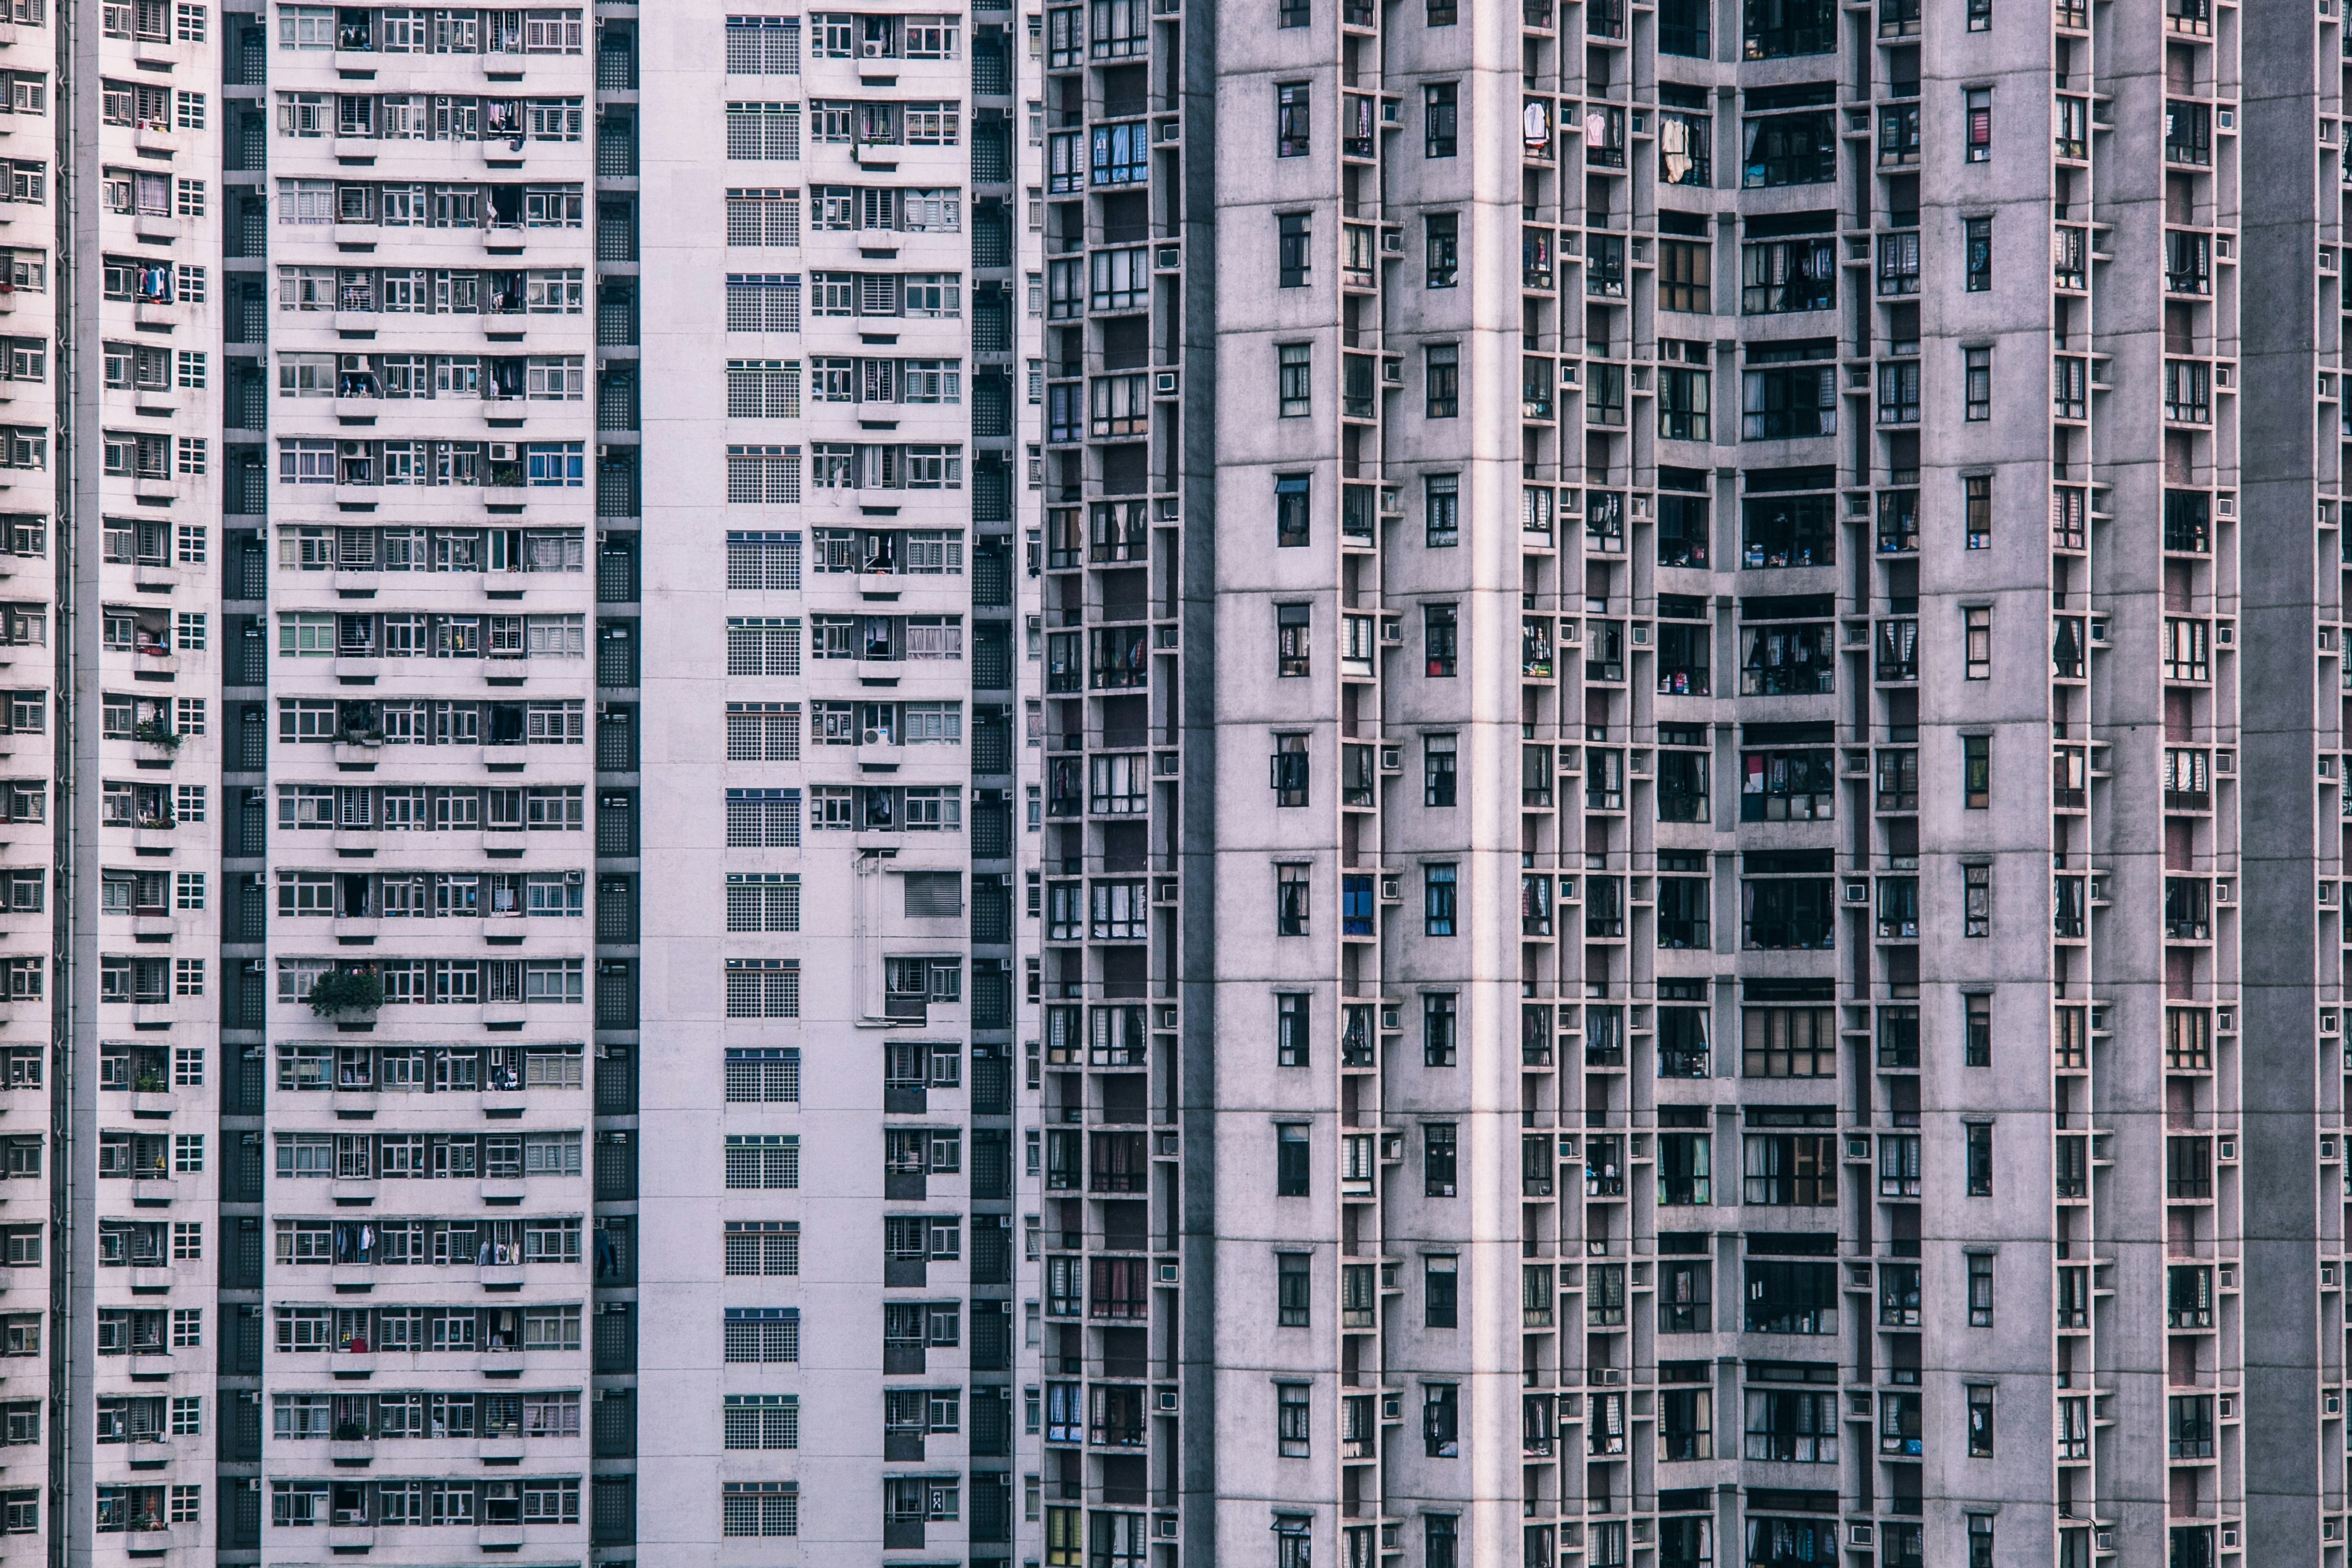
(1393, 371)
(1391, 758)
(1857, 892)
(1392, 242)
(1392, 630)
(1391, 888)
(502, 451)
(1163, 383)
(873, 738)
(1857, 1535)
(872, 49)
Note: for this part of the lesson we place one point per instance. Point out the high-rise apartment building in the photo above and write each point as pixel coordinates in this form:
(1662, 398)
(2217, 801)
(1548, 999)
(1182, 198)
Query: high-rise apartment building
(639, 652)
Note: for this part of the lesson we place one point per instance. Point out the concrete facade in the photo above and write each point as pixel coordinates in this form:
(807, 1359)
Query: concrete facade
(1120, 785)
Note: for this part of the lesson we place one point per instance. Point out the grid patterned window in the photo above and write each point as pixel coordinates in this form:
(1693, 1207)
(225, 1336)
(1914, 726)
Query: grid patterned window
(763, 1335)
(763, 732)
(763, 1247)
(764, 819)
(763, 45)
(763, 302)
(764, 475)
(763, 1078)
(762, 900)
(763, 1421)
(759, 1507)
(763, 217)
(763, 388)
(764, 130)
(763, 562)
(764, 645)
(763, 1161)
(764, 988)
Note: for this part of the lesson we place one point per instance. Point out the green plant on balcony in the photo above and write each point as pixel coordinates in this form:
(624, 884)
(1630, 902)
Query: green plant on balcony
(346, 991)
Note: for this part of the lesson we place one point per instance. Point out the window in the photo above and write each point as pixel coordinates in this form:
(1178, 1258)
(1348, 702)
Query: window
(1440, 1025)
(1293, 1420)
(1290, 901)
(1437, 900)
(1442, 510)
(1437, 1159)
(1682, 276)
(1683, 393)
(764, 1420)
(1776, 29)
(1790, 1296)
(1685, 1173)
(1979, 1290)
(1440, 235)
(1292, 1273)
(1789, 1169)
(1787, 149)
(1979, 104)
(1442, 379)
(1683, 28)
(765, 1508)
(1440, 1291)
(1780, 277)
(1980, 1137)
(1291, 242)
(1789, 1425)
(1291, 626)
(1291, 120)
(1439, 118)
(1788, 1042)
(1290, 1161)
(1685, 148)
(1898, 391)
(1977, 636)
(1981, 1447)
(1684, 1295)
(1291, 1013)
(1291, 493)
(1294, 380)
(1788, 390)
(1975, 772)
(1683, 919)
(1976, 385)
(1288, 768)
(1785, 914)
(1977, 241)
(1977, 1023)
(1437, 770)
(1293, 13)
(1440, 629)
